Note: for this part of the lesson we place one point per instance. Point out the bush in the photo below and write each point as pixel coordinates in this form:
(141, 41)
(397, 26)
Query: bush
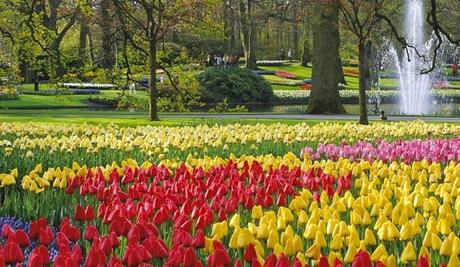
(225, 108)
(8, 93)
(237, 85)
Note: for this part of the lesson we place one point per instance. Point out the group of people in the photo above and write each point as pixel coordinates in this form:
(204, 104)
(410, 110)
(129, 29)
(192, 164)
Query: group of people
(222, 61)
(290, 55)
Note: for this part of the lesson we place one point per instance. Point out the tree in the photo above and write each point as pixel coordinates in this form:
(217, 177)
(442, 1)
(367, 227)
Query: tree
(248, 32)
(324, 97)
(361, 19)
(146, 22)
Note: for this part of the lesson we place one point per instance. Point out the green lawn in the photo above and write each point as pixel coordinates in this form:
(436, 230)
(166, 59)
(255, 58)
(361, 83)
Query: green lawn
(126, 118)
(50, 101)
(304, 73)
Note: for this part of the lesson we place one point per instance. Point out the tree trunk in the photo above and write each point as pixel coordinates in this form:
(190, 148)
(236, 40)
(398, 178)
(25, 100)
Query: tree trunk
(153, 114)
(248, 33)
(306, 53)
(363, 82)
(324, 96)
(295, 36)
(339, 67)
(108, 56)
(83, 41)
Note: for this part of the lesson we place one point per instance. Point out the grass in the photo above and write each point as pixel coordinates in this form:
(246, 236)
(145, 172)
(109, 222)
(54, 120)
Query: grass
(305, 73)
(126, 118)
(69, 101)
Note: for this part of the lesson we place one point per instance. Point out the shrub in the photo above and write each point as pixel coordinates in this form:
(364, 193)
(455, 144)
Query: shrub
(223, 107)
(8, 93)
(237, 85)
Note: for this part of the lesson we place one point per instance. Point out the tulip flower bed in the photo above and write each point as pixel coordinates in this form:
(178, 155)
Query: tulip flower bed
(384, 195)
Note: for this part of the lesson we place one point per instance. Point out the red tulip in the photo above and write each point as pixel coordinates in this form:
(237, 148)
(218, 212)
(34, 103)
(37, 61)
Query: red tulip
(250, 253)
(271, 261)
(297, 263)
(337, 263)
(39, 257)
(76, 254)
(2, 261)
(323, 262)
(62, 241)
(79, 213)
(255, 263)
(379, 264)
(134, 235)
(114, 241)
(175, 256)
(71, 232)
(115, 262)
(21, 238)
(7, 231)
(45, 236)
(283, 261)
(220, 257)
(89, 213)
(159, 248)
(35, 227)
(238, 263)
(199, 240)
(91, 233)
(189, 258)
(12, 253)
(35, 260)
(362, 259)
(423, 261)
(132, 256)
(105, 245)
(96, 257)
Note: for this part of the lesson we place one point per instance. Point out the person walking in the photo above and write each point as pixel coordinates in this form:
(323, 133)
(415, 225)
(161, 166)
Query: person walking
(283, 54)
(290, 56)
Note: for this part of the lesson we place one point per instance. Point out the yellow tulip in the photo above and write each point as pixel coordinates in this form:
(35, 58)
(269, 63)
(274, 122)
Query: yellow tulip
(310, 231)
(336, 243)
(245, 237)
(314, 252)
(436, 242)
(446, 247)
(379, 253)
(453, 261)
(262, 231)
(320, 240)
(350, 254)
(408, 255)
(7, 180)
(278, 249)
(369, 238)
(235, 221)
(273, 238)
(257, 212)
(219, 230)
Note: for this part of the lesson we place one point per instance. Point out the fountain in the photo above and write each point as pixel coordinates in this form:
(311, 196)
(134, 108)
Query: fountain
(415, 87)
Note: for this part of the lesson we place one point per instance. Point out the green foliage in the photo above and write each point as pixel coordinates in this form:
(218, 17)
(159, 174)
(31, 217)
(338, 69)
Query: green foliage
(223, 107)
(180, 92)
(235, 84)
(172, 54)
